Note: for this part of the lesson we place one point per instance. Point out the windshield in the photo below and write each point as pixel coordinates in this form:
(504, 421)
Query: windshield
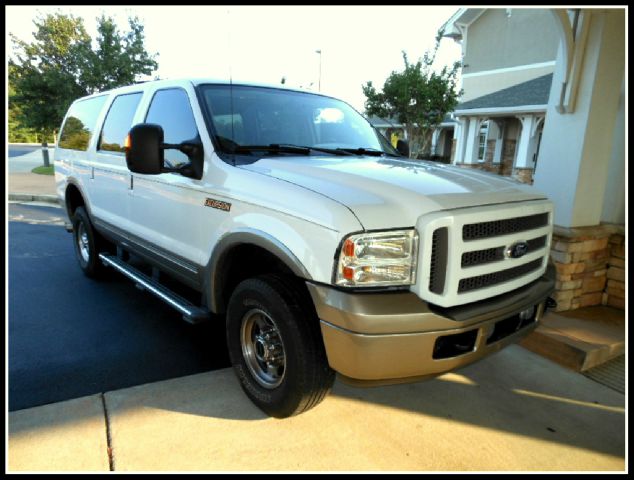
(246, 117)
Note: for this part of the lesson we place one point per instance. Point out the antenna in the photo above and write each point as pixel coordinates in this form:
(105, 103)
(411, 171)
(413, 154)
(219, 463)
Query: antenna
(231, 84)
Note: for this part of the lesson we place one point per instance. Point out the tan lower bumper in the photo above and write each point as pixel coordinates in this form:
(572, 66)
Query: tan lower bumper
(398, 357)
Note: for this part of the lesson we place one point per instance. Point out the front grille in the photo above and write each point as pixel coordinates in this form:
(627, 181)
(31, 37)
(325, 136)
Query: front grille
(489, 279)
(438, 264)
(466, 252)
(479, 257)
(496, 228)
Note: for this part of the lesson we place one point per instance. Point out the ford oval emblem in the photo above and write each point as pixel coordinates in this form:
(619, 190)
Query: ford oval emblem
(517, 250)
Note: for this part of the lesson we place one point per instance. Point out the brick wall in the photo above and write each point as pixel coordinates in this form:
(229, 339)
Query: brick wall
(582, 258)
(508, 156)
(490, 150)
(489, 166)
(614, 294)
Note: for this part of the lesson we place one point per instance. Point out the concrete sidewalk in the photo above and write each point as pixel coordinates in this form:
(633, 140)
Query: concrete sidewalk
(27, 186)
(512, 411)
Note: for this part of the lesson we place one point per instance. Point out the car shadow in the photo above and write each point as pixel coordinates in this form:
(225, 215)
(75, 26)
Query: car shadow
(514, 391)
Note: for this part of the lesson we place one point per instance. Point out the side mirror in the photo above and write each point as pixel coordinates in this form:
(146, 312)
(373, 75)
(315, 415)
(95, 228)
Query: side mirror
(144, 152)
(403, 148)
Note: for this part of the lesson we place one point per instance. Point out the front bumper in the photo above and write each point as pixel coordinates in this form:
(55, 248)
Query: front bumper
(380, 338)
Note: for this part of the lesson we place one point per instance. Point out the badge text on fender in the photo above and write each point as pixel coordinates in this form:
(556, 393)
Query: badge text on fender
(210, 202)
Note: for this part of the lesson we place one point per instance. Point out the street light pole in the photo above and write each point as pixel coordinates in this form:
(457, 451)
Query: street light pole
(319, 52)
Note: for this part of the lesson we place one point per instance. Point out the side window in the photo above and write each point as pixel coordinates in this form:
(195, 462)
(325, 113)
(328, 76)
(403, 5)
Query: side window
(482, 141)
(118, 122)
(80, 123)
(171, 110)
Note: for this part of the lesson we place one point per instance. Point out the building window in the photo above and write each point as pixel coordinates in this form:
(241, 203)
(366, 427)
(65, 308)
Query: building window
(482, 141)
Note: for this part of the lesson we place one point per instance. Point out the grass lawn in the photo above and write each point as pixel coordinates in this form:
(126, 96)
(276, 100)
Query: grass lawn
(42, 170)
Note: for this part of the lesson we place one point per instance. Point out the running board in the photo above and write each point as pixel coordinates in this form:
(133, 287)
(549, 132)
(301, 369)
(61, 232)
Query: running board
(191, 313)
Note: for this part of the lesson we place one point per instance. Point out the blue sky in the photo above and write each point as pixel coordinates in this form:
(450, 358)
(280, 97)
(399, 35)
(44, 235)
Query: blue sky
(264, 44)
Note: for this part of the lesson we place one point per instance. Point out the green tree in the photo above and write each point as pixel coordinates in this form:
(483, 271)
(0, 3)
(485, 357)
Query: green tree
(60, 65)
(17, 132)
(119, 58)
(418, 97)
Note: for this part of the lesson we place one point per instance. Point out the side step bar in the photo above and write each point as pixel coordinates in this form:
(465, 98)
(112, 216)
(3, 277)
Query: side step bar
(191, 313)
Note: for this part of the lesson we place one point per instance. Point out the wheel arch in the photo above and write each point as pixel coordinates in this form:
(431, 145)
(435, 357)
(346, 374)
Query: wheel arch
(241, 254)
(74, 196)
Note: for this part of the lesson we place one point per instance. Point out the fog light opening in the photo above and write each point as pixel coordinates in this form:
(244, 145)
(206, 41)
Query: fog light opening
(449, 346)
(527, 314)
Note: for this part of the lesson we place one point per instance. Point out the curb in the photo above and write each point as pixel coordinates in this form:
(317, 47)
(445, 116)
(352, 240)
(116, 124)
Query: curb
(30, 197)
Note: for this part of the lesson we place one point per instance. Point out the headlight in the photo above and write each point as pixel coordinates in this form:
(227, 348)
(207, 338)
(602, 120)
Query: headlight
(378, 259)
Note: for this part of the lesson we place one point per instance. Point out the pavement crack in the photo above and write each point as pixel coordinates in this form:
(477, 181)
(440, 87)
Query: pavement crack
(108, 434)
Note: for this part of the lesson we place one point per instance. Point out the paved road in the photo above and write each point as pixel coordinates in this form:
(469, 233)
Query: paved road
(70, 336)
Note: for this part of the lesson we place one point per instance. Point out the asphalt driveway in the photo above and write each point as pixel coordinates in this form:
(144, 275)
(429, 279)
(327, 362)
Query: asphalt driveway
(70, 336)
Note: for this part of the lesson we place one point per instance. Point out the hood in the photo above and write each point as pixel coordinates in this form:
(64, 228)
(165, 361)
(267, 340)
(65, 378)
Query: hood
(390, 192)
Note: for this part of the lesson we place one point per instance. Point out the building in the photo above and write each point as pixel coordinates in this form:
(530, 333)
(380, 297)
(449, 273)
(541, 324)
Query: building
(440, 141)
(508, 62)
(544, 102)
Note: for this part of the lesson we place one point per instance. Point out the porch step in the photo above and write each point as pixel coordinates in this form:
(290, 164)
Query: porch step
(579, 339)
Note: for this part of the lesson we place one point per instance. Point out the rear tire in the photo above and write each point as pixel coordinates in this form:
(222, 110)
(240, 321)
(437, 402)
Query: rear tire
(276, 347)
(88, 244)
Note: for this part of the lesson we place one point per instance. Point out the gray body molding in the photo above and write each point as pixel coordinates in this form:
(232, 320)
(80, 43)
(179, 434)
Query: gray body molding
(212, 283)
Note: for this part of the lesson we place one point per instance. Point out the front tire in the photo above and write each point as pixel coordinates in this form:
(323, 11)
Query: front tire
(276, 347)
(88, 244)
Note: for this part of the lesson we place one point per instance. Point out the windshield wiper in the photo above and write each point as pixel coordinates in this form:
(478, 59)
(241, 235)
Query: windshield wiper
(363, 151)
(286, 148)
(333, 151)
(272, 148)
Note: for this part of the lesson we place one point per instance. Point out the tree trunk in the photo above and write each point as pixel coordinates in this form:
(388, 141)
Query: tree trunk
(411, 138)
(425, 141)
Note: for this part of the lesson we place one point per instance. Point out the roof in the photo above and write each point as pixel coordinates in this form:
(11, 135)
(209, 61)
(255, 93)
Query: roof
(172, 82)
(463, 17)
(379, 122)
(533, 93)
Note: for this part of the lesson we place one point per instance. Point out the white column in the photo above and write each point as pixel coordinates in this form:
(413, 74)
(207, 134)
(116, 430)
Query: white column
(473, 136)
(576, 147)
(498, 131)
(524, 157)
(614, 199)
(462, 127)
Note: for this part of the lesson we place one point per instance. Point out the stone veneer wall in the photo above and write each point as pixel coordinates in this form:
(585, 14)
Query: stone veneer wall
(614, 294)
(581, 257)
(524, 175)
(473, 166)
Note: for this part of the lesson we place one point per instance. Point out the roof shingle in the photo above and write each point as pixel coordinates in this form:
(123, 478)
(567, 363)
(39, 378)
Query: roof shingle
(533, 92)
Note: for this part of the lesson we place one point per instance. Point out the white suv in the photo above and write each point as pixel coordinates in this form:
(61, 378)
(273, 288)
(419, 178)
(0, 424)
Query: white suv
(325, 249)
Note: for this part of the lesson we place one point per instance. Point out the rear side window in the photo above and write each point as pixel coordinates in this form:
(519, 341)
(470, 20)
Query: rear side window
(80, 123)
(172, 111)
(118, 122)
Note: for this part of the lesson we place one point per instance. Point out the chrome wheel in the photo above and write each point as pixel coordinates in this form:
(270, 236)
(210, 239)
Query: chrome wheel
(82, 242)
(263, 348)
